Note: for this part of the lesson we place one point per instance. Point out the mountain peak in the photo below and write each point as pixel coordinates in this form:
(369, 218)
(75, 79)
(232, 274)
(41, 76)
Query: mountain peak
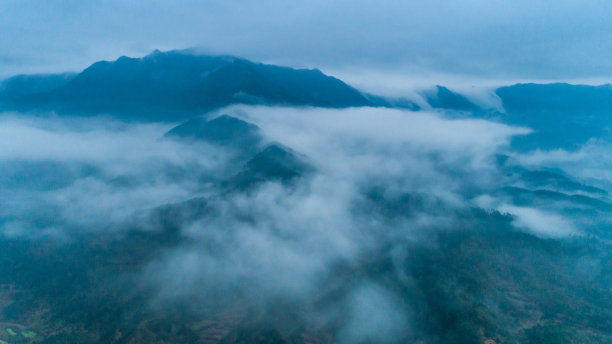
(179, 84)
(223, 130)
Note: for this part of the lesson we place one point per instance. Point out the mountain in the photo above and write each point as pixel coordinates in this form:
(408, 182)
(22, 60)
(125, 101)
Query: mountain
(256, 161)
(561, 115)
(561, 98)
(443, 98)
(23, 85)
(273, 163)
(223, 130)
(174, 85)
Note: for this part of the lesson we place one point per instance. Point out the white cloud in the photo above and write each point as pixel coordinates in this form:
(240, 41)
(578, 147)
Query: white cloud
(541, 223)
(277, 241)
(590, 163)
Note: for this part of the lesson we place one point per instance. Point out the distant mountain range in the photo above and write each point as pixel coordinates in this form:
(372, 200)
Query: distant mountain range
(174, 85)
(180, 85)
(561, 115)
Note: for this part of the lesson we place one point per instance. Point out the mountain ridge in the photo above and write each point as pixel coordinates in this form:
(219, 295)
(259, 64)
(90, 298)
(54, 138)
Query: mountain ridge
(175, 85)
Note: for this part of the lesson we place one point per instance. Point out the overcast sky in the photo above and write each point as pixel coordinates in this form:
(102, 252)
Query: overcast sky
(518, 39)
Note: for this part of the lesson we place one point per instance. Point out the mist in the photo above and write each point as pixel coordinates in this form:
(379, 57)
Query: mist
(307, 172)
(384, 186)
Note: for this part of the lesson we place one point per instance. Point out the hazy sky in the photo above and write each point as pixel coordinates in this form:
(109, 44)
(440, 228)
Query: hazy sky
(519, 39)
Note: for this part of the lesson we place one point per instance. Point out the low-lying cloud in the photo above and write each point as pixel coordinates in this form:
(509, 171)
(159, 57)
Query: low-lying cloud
(384, 180)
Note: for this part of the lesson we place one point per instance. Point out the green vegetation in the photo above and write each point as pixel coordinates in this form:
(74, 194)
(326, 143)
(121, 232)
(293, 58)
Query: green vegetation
(28, 334)
(11, 332)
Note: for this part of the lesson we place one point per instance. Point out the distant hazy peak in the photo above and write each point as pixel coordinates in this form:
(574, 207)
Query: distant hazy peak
(223, 130)
(179, 84)
(443, 98)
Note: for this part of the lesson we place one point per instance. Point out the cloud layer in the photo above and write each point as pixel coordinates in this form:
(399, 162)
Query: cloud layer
(385, 183)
